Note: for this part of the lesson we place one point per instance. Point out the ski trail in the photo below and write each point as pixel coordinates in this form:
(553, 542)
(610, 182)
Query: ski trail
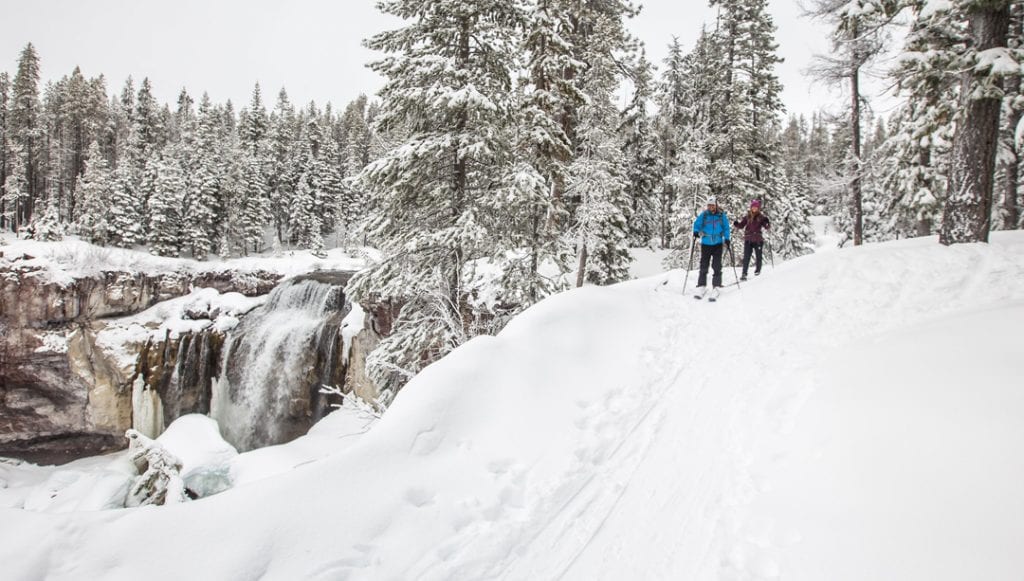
(766, 359)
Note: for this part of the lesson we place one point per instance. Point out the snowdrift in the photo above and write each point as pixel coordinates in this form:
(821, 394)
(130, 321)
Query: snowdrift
(849, 415)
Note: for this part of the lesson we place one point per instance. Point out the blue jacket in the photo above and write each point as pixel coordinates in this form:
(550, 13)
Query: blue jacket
(713, 228)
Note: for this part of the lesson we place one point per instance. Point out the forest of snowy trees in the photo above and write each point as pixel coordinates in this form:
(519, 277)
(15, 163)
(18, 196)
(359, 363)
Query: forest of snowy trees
(500, 143)
(192, 179)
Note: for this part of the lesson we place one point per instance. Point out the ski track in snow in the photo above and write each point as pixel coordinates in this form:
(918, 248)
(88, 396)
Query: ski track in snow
(652, 478)
(771, 348)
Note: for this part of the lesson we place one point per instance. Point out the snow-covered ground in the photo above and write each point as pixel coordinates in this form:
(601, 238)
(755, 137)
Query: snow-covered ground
(849, 415)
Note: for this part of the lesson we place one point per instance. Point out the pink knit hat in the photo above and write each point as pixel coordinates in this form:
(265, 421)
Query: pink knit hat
(755, 204)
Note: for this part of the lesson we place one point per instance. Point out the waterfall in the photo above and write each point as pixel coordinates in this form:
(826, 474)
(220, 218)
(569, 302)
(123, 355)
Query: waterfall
(276, 360)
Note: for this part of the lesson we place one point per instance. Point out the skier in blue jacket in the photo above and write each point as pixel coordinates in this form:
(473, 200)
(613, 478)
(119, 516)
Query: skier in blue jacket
(712, 229)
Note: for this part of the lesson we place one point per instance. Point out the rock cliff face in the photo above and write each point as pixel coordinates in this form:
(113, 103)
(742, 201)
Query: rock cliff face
(66, 392)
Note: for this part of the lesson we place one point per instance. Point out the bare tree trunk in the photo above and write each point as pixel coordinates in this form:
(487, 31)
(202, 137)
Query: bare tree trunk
(967, 216)
(459, 185)
(855, 161)
(581, 273)
(1011, 165)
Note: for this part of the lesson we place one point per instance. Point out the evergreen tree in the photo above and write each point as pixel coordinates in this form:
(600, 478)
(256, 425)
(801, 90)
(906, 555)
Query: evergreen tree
(125, 210)
(16, 190)
(641, 158)
(46, 226)
(121, 111)
(147, 133)
(669, 137)
(282, 176)
(203, 203)
(6, 159)
(448, 86)
(792, 234)
(254, 125)
(596, 179)
(549, 97)
(27, 132)
(254, 208)
(95, 189)
(165, 207)
(598, 183)
(330, 184)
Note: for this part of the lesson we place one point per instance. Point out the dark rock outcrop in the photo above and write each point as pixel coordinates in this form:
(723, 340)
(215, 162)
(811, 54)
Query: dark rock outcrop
(61, 397)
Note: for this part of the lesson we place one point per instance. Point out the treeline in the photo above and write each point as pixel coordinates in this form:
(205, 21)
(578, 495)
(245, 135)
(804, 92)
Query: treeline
(948, 160)
(197, 179)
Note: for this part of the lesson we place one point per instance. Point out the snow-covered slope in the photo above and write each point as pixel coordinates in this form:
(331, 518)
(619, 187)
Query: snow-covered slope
(849, 415)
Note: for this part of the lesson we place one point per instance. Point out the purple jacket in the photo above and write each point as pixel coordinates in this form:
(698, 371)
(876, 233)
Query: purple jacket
(752, 226)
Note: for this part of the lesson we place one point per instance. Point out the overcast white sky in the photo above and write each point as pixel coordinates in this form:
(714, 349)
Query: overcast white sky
(311, 47)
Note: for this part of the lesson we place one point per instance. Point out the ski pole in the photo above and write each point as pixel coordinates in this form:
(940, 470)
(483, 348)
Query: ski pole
(733, 258)
(771, 253)
(689, 266)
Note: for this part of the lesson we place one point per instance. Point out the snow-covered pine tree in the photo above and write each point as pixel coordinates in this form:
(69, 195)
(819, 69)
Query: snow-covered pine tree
(27, 133)
(354, 137)
(641, 157)
(254, 210)
(95, 187)
(16, 192)
(282, 175)
(165, 205)
(125, 214)
(530, 252)
(671, 99)
(254, 126)
(5, 150)
(121, 109)
(331, 185)
(74, 113)
(148, 131)
(922, 133)
(791, 233)
(598, 183)
(596, 179)
(303, 221)
(204, 204)
(448, 86)
(147, 135)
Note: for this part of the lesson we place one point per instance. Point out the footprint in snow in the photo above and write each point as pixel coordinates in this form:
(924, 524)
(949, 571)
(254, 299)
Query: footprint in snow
(427, 442)
(419, 497)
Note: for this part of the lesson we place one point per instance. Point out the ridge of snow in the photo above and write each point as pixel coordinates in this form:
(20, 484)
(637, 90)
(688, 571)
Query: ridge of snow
(74, 258)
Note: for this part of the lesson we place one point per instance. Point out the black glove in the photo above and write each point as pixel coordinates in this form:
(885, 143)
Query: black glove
(728, 242)
(696, 235)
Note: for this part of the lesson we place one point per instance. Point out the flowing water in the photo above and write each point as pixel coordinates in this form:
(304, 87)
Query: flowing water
(275, 362)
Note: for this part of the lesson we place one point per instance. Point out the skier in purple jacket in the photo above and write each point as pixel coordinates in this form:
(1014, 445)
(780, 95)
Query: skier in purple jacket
(753, 225)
